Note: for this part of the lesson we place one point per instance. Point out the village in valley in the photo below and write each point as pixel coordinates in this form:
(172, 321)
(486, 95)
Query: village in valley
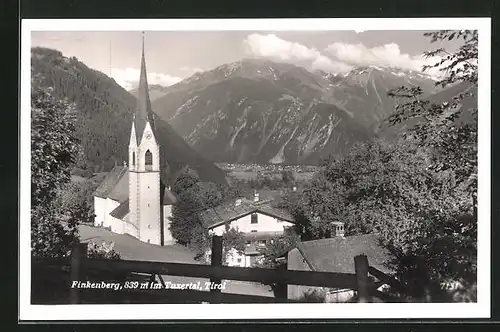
(362, 219)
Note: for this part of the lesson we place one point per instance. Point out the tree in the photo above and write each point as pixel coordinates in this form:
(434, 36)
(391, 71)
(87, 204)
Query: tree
(53, 152)
(287, 176)
(449, 131)
(194, 197)
(421, 216)
(232, 241)
(185, 213)
(452, 142)
(279, 247)
(77, 197)
(186, 179)
(102, 251)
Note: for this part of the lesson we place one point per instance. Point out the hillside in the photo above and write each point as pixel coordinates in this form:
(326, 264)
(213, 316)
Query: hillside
(105, 115)
(155, 91)
(259, 111)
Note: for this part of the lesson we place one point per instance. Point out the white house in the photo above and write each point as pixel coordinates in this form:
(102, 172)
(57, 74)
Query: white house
(131, 199)
(258, 220)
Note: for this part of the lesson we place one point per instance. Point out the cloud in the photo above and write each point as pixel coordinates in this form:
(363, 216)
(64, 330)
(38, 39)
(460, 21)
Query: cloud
(128, 78)
(191, 70)
(273, 47)
(337, 57)
(388, 55)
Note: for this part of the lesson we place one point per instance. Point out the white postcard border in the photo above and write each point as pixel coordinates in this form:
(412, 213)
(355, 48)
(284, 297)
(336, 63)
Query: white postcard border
(481, 309)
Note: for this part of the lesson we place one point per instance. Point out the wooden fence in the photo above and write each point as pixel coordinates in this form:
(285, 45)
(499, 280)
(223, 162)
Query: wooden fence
(80, 268)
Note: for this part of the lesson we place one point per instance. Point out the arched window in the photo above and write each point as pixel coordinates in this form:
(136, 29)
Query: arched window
(148, 160)
(133, 158)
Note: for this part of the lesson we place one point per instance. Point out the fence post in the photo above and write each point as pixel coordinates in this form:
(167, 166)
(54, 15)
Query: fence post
(216, 260)
(361, 268)
(78, 254)
(281, 291)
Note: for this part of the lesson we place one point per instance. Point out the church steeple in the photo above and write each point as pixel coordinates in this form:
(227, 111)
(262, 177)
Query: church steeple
(143, 113)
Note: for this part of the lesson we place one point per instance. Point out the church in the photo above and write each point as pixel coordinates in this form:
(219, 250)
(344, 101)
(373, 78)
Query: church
(131, 199)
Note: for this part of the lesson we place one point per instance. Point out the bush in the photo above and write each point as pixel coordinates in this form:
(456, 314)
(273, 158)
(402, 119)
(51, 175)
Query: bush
(103, 250)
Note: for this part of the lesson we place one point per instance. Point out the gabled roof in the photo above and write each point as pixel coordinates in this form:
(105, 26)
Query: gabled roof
(337, 254)
(143, 113)
(228, 212)
(120, 191)
(110, 181)
(121, 210)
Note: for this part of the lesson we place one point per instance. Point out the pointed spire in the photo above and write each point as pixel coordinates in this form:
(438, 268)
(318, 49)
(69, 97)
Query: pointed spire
(143, 113)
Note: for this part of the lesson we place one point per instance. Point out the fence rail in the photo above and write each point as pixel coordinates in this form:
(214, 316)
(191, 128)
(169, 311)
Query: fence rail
(80, 267)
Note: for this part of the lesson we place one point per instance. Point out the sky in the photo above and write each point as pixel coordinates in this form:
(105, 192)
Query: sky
(174, 55)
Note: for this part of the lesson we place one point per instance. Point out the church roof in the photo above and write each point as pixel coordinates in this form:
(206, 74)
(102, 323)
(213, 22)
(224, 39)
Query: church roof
(120, 191)
(109, 182)
(116, 186)
(121, 210)
(143, 112)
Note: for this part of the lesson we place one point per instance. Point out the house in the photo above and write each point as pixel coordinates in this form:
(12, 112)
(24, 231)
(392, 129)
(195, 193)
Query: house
(132, 199)
(260, 222)
(335, 254)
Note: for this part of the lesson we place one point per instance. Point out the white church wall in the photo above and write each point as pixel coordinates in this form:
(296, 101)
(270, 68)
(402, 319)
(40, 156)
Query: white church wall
(117, 225)
(99, 210)
(167, 235)
(109, 221)
(130, 229)
(149, 208)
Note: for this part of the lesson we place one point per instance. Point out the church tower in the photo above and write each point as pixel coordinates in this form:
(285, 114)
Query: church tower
(144, 167)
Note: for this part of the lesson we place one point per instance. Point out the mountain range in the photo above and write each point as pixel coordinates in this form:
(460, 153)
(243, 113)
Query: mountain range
(251, 111)
(259, 111)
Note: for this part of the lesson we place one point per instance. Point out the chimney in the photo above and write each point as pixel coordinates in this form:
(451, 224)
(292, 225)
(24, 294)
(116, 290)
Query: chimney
(338, 228)
(256, 196)
(237, 202)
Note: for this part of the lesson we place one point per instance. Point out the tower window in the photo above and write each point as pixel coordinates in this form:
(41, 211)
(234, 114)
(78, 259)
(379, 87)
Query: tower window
(133, 158)
(149, 226)
(148, 204)
(148, 159)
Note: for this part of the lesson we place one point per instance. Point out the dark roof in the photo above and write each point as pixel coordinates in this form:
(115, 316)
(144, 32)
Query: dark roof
(276, 212)
(110, 181)
(120, 191)
(337, 254)
(121, 210)
(143, 113)
(228, 212)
